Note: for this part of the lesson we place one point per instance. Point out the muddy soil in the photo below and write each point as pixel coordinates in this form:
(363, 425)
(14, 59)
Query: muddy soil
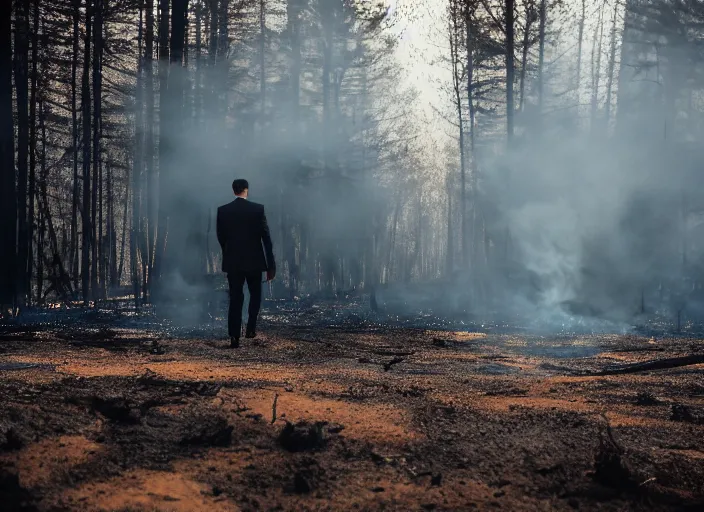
(320, 418)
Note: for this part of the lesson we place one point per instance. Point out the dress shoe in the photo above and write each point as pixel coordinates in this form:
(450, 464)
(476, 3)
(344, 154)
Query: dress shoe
(234, 342)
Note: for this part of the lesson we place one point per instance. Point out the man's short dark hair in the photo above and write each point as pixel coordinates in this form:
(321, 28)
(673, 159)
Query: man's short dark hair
(238, 186)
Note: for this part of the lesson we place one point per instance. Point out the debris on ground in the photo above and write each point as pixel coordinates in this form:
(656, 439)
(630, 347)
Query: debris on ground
(93, 418)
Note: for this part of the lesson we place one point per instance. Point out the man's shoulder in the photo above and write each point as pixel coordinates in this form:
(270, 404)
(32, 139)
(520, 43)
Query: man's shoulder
(255, 206)
(226, 206)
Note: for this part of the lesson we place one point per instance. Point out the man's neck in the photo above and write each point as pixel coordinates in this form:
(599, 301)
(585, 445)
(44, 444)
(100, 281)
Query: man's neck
(240, 197)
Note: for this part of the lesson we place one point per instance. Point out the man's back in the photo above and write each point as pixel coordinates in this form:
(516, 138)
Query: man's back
(242, 230)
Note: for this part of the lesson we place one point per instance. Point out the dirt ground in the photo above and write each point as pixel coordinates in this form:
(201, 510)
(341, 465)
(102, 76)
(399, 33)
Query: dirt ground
(316, 418)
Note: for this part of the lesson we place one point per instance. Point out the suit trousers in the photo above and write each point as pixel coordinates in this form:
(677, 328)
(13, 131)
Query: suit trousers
(254, 285)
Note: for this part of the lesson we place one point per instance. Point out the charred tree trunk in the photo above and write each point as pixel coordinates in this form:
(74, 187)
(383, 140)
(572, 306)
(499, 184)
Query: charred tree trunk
(327, 69)
(612, 66)
(125, 217)
(449, 263)
(21, 62)
(474, 170)
(8, 191)
(221, 69)
(40, 257)
(470, 79)
(509, 70)
(596, 70)
(580, 40)
(222, 34)
(32, 146)
(96, 262)
(142, 175)
(530, 13)
(212, 58)
(541, 59)
(137, 236)
(43, 210)
(294, 10)
(85, 207)
(198, 95)
(457, 80)
(392, 241)
(73, 259)
(111, 231)
(328, 40)
(147, 236)
(173, 253)
(179, 15)
(164, 120)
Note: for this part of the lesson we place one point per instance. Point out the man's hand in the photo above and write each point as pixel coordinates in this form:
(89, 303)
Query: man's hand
(270, 275)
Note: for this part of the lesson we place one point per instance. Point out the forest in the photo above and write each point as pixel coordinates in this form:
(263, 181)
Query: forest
(121, 108)
(488, 225)
(556, 159)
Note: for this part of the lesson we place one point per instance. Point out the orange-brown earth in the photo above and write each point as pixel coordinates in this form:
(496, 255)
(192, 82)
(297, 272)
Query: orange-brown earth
(379, 420)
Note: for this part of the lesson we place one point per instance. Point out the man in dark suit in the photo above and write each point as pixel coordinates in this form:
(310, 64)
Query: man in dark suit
(247, 251)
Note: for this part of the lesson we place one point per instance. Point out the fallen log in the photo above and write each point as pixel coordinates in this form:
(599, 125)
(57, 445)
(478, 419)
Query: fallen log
(657, 364)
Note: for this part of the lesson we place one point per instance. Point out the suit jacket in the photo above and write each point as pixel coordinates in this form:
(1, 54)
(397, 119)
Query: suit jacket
(242, 230)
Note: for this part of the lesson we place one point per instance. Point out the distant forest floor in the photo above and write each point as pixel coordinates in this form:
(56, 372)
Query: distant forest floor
(104, 414)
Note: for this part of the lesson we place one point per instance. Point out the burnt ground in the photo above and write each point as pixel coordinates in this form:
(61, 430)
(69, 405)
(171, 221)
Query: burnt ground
(99, 416)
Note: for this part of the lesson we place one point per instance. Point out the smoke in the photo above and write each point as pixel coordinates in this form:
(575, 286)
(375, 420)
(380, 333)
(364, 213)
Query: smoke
(593, 227)
(312, 152)
(587, 233)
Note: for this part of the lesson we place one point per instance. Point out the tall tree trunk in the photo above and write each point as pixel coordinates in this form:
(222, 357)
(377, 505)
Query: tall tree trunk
(596, 69)
(43, 200)
(469, 15)
(40, 256)
(450, 238)
(120, 267)
(454, 55)
(612, 66)
(142, 176)
(32, 146)
(541, 59)
(43, 206)
(530, 5)
(179, 12)
(172, 184)
(73, 260)
(147, 236)
(223, 33)
(198, 98)
(97, 256)
(111, 231)
(294, 12)
(509, 70)
(137, 236)
(580, 40)
(220, 71)
(213, 89)
(328, 40)
(21, 58)
(392, 240)
(164, 120)
(8, 190)
(85, 207)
